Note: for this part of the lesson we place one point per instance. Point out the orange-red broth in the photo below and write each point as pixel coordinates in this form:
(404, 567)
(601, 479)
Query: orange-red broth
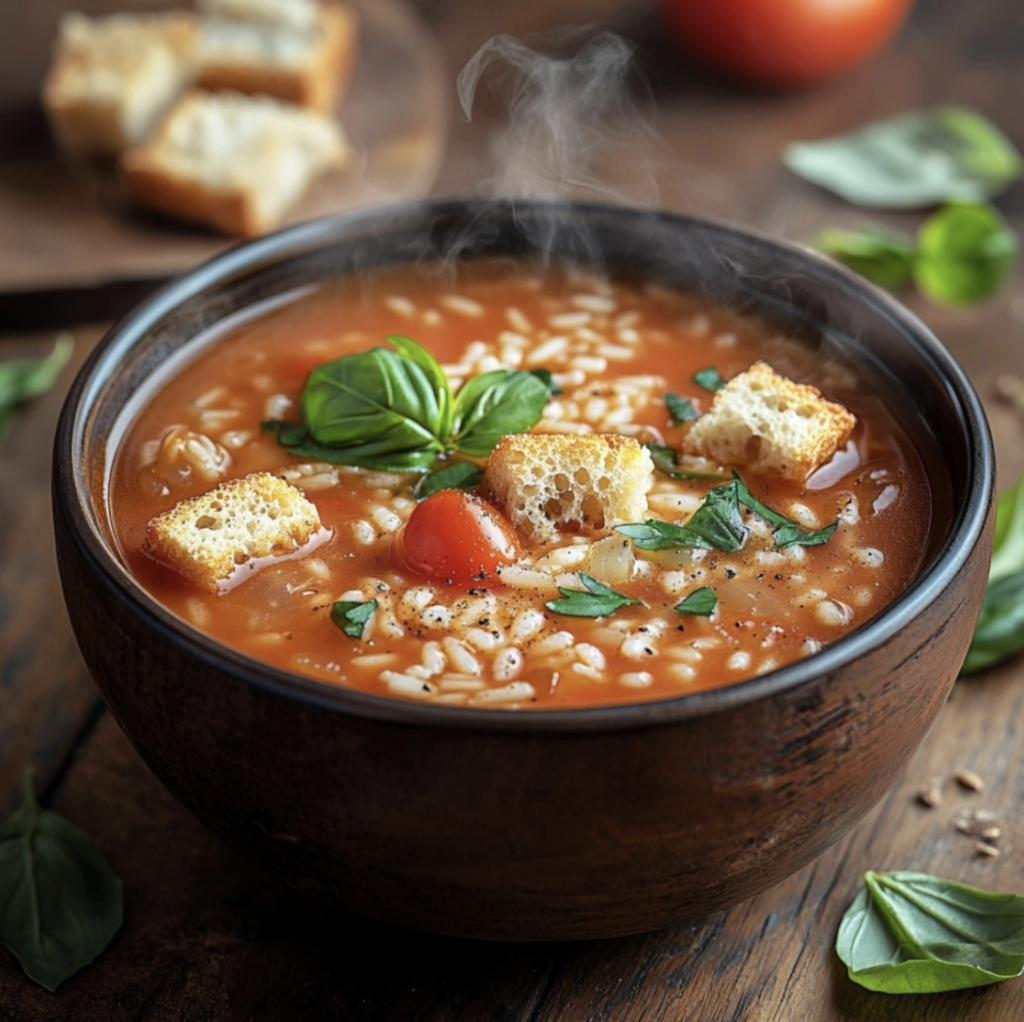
(496, 644)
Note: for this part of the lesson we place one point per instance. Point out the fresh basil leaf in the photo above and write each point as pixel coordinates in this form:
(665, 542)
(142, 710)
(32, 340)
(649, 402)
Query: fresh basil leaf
(680, 409)
(594, 600)
(999, 633)
(701, 602)
(545, 377)
(709, 379)
(655, 535)
(494, 404)
(459, 475)
(415, 352)
(1008, 544)
(910, 933)
(351, 616)
(786, 531)
(915, 160)
(297, 439)
(378, 407)
(965, 252)
(884, 257)
(664, 459)
(22, 379)
(60, 903)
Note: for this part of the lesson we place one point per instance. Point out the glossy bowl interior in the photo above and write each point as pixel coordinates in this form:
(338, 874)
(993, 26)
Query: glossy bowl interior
(542, 825)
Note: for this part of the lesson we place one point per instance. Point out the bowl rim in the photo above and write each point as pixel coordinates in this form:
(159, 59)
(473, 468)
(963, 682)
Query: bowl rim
(72, 497)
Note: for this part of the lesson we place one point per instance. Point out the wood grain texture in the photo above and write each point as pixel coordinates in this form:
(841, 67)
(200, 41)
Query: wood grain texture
(210, 937)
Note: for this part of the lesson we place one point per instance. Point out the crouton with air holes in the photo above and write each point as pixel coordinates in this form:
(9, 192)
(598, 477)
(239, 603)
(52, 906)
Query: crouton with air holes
(770, 424)
(583, 482)
(209, 537)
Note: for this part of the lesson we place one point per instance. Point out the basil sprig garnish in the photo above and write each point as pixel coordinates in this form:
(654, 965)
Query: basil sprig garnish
(459, 475)
(962, 253)
(594, 600)
(666, 461)
(60, 903)
(351, 616)
(915, 160)
(701, 602)
(911, 933)
(680, 409)
(710, 379)
(395, 410)
(22, 379)
(999, 633)
(718, 525)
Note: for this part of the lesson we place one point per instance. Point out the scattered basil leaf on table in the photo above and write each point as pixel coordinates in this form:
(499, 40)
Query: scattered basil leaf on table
(22, 379)
(351, 616)
(917, 159)
(884, 257)
(709, 378)
(594, 600)
(999, 633)
(459, 475)
(60, 903)
(666, 461)
(701, 602)
(910, 933)
(680, 409)
(965, 252)
(395, 411)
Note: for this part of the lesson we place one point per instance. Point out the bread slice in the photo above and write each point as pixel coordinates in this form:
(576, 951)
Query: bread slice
(305, 60)
(586, 483)
(770, 424)
(210, 538)
(112, 77)
(236, 163)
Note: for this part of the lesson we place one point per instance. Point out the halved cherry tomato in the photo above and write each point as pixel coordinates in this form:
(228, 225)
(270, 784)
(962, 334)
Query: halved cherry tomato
(458, 538)
(784, 42)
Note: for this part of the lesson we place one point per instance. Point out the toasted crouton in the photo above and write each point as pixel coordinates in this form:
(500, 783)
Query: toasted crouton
(589, 482)
(771, 424)
(231, 528)
(112, 77)
(233, 162)
(299, 53)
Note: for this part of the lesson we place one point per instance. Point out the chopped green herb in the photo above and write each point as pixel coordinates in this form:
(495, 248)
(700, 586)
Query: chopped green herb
(22, 379)
(351, 616)
(915, 160)
(459, 475)
(910, 933)
(701, 602)
(680, 409)
(709, 379)
(394, 410)
(666, 461)
(787, 532)
(545, 377)
(60, 903)
(594, 600)
(716, 525)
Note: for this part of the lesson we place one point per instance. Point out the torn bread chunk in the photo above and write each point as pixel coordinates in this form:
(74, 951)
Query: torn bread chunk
(584, 482)
(210, 538)
(112, 77)
(304, 57)
(233, 162)
(770, 424)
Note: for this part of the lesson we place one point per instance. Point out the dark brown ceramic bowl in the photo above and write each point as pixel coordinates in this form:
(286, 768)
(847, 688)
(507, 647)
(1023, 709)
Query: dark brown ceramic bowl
(536, 825)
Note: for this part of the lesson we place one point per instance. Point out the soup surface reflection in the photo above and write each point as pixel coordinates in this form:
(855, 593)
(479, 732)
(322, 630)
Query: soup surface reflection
(614, 351)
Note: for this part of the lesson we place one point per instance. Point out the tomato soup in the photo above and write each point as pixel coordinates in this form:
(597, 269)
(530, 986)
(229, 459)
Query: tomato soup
(613, 352)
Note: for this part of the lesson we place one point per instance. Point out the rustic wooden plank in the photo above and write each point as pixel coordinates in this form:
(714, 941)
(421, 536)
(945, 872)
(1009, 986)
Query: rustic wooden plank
(45, 689)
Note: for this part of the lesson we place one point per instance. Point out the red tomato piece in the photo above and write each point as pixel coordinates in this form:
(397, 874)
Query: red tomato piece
(784, 42)
(457, 538)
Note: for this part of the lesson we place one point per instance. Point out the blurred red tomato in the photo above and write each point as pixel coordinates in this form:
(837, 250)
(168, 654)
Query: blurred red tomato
(785, 42)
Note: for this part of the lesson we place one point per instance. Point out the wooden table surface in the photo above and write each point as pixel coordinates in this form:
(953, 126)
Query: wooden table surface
(207, 936)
